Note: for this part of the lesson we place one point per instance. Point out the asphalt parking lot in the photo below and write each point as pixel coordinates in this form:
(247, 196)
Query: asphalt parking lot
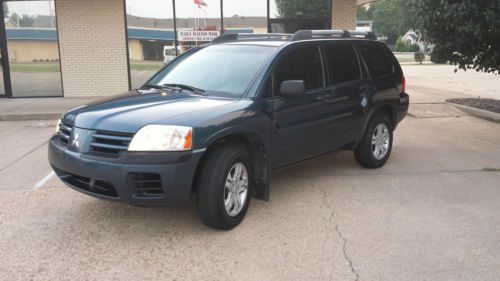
(432, 213)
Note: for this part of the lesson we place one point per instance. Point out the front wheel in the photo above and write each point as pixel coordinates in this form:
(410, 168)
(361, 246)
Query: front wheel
(224, 187)
(376, 145)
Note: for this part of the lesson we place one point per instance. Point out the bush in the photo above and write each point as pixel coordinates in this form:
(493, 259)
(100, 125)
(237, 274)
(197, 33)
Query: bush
(413, 48)
(419, 57)
(400, 45)
(436, 57)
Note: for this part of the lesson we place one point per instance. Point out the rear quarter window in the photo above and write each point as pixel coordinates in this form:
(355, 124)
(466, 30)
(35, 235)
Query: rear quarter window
(377, 60)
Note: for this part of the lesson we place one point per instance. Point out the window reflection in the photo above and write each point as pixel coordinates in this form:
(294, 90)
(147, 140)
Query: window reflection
(198, 22)
(289, 16)
(243, 16)
(33, 48)
(151, 37)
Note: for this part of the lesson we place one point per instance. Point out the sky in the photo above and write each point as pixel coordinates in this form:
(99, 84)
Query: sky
(162, 8)
(185, 8)
(31, 7)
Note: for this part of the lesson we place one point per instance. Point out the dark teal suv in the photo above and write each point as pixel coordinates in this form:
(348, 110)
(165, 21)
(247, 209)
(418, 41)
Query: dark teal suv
(217, 120)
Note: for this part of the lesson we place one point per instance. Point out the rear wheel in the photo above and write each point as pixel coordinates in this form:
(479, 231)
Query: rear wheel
(376, 146)
(224, 187)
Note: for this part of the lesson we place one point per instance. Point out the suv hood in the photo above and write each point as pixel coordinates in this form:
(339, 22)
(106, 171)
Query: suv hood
(130, 112)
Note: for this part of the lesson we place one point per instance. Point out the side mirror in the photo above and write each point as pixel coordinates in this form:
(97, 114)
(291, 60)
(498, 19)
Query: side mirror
(292, 89)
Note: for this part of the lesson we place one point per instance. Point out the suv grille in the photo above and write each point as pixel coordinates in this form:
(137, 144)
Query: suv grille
(64, 133)
(110, 143)
(146, 184)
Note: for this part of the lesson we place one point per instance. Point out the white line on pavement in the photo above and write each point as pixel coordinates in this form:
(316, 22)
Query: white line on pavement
(44, 180)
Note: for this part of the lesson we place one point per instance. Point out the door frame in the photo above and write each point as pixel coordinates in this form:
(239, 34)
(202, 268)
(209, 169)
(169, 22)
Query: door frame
(5, 56)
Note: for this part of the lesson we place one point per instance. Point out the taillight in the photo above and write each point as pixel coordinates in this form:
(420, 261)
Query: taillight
(403, 83)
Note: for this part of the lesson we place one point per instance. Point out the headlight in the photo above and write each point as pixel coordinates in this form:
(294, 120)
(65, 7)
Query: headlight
(162, 138)
(57, 126)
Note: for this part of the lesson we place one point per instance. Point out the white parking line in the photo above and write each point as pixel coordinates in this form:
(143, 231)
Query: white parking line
(44, 180)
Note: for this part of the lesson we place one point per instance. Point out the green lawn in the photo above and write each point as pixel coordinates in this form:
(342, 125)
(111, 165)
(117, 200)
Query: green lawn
(146, 66)
(34, 67)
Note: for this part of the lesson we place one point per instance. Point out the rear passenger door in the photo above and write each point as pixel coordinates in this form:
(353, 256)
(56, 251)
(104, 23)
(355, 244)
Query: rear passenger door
(300, 124)
(384, 74)
(350, 88)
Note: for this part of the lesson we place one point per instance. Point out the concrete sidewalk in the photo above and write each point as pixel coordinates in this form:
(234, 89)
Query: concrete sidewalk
(39, 108)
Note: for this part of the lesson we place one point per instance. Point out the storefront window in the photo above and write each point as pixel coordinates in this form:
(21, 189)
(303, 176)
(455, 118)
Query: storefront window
(289, 16)
(32, 45)
(198, 22)
(151, 37)
(243, 16)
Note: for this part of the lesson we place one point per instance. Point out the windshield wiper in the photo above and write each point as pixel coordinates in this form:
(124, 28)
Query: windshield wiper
(154, 86)
(187, 87)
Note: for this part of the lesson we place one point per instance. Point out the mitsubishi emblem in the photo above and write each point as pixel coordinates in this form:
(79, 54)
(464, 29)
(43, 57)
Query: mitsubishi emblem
(74, 142)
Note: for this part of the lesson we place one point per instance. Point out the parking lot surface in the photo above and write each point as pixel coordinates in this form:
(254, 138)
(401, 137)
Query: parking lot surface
(432, 213)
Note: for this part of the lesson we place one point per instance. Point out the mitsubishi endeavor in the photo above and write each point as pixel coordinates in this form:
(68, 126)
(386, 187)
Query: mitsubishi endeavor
(220, 118)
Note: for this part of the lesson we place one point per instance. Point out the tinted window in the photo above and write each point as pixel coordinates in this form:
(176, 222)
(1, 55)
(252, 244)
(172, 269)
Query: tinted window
(343, 63)
(303, 64)
(377, 60)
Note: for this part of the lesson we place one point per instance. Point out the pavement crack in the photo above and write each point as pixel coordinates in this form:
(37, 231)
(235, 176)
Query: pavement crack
(339, 233)
(23, 156)
(346, 256)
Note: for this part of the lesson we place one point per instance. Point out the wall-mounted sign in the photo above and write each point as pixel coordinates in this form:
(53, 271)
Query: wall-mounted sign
(197, 35)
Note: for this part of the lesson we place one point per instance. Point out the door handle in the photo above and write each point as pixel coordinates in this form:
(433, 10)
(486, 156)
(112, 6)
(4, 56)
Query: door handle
(324, 96)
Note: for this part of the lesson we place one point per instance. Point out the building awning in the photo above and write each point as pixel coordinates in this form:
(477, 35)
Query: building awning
(45, 34)
(50, 34)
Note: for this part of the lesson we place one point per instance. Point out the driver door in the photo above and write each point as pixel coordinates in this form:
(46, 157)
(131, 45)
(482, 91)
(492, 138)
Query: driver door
(301, 125)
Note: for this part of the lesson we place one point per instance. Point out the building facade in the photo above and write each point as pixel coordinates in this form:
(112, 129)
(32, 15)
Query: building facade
(76, 48)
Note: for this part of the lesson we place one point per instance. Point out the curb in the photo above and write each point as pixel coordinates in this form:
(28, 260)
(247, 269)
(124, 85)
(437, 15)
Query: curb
(479, 113)
(30, 116)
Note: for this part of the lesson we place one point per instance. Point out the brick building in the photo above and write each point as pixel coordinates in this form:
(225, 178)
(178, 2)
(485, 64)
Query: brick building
(94, 47)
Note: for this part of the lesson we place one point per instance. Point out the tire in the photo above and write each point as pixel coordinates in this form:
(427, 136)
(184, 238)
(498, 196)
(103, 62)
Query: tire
(214, 197)
(366, 153)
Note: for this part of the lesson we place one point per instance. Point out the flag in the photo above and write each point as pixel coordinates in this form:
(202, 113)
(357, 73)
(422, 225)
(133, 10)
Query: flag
(200, 3)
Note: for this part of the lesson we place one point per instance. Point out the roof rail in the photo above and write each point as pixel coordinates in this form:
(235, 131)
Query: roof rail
(311, 34)
(250, 36)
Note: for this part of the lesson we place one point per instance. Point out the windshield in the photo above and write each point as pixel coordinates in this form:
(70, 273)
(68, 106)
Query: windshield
(221, 70)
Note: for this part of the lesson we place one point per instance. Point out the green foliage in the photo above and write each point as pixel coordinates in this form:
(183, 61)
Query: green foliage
(393, 18)
(400, 45)
(365, 12)
(26, 21)
(466, 33)
(303, 8)
(413, 48)
(419, 57)
(436, 57)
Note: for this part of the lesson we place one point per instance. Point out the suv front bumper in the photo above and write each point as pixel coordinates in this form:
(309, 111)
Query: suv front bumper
(146, 179)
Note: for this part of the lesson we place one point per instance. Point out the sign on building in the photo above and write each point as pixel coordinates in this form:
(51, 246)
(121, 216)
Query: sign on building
(197, 35)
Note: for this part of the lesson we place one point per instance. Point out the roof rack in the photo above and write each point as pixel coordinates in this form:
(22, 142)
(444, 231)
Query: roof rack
(311, 34)
(251, 36)
(298, 36)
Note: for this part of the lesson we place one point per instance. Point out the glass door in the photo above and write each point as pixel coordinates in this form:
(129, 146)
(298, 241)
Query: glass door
(2, 84)
(3, 58)
(33, 51)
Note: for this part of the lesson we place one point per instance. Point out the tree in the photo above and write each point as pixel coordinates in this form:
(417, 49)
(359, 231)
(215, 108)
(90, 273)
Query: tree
(303, 8)
(393, 18)
(465, 33)
(26, 21)
(5, 10)
(365, 12)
